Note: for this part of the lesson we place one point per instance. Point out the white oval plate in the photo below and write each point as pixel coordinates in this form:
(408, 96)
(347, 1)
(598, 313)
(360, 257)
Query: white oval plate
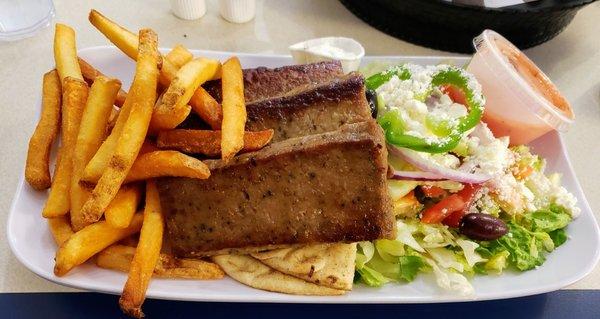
(32, 243)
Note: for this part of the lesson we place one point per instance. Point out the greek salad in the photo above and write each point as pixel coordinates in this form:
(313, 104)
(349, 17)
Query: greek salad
(467, 202)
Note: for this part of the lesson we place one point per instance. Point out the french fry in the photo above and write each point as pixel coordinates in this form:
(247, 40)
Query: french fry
(179, 55)
(173, 108)
(175, 59)
(112, 119)
(127, 42)
(122, 208)
(75, 94)
(122, 38)
(208, 142)
(90, 73)
(92, 130)
(209, 110)
(65, 53)
(99, 162)
(37, 166)
(60, 228)
(89, 241)
(142, 96)
(166, 163)
(119, 257)
(234, 109)
(146, 255)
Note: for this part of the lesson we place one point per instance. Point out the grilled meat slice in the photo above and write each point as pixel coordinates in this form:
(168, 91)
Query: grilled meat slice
(261, 83)
(311, 109)
(322, 188)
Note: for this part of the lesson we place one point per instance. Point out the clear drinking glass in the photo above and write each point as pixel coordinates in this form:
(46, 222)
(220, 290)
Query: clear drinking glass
(23, 18)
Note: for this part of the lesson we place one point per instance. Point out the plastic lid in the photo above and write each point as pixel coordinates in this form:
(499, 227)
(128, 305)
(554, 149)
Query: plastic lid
(553, 109)
(21, 19)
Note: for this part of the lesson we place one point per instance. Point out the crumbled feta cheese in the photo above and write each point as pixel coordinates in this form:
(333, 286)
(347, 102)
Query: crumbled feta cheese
(492, 159)
(410, 98)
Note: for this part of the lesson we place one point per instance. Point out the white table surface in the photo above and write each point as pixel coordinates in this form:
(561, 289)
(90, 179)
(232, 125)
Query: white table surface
(572, 60)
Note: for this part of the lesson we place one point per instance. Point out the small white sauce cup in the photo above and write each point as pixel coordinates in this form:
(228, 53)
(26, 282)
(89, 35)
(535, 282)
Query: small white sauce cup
(353, 52)
(521, 101)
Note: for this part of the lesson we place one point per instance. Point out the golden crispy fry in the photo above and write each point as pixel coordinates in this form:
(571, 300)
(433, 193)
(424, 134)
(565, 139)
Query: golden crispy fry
(99, 162)
(89, 241)
(60, 228)
(122, 38)
(175, 59)
(89, 75)
(112, 119)
(91, 133)
(234, 109)
(75, 94)
(142, 96)
(179, 55)
(37, 167)
(209, 110)
(166, 163)
(127, 42)
(65, 53)
(122, 208)
(208, 142)
(146, 255)
(119, 257)
(173, 108)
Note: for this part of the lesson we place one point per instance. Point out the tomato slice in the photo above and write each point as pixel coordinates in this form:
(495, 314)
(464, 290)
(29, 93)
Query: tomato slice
(455, 94)
(451, 209)
(433, 191)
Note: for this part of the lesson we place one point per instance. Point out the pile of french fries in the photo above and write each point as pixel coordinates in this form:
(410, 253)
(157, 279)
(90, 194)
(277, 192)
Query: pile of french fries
(113, 144)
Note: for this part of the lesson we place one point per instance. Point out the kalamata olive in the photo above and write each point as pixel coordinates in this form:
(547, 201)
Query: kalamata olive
(372, 99)
(480, 226)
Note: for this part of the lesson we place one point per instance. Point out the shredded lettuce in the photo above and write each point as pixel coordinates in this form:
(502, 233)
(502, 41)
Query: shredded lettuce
(409, 266)
(547, 220)
(450, 280)
(558, 236)
(452, 258)
(468, 247)
(371, 277)
(446, 258)
(418, 248)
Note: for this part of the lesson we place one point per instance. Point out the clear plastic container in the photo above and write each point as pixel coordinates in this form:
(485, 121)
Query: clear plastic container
(521, 101)
(22, 18)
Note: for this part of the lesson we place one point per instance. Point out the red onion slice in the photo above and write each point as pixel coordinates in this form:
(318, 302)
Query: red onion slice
(434, 171)
(417, 176)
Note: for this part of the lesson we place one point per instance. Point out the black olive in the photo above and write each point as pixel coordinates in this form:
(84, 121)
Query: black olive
(372, 99)
(480, 226)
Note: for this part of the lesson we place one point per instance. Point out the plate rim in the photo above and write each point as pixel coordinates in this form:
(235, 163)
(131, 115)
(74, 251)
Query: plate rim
(383, 299)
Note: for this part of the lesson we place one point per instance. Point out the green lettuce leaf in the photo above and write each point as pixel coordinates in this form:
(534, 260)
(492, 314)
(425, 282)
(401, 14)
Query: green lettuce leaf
(410, 267)
(558, 236)
(547, 220)
(525, 248)
(371, 277)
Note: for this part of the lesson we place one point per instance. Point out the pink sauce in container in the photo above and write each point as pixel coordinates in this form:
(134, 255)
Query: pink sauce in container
(521, 101)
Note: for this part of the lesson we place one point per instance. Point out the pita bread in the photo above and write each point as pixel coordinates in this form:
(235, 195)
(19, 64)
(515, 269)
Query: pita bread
(329, 265)
(253, 273)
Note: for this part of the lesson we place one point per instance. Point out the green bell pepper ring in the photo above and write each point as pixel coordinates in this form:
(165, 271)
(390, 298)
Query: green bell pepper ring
(456, 77)
(376, 80)
(393, 124)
